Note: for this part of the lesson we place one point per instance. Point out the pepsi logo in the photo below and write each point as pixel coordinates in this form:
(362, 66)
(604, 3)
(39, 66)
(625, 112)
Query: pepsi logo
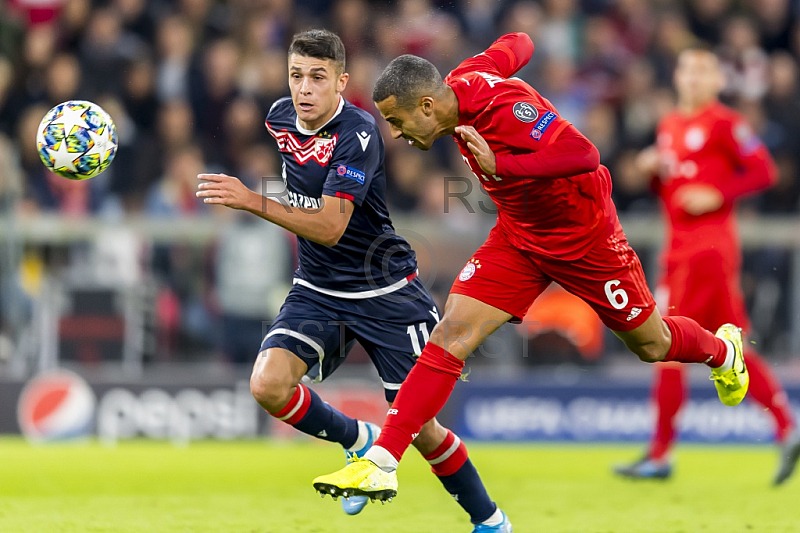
(56, 406)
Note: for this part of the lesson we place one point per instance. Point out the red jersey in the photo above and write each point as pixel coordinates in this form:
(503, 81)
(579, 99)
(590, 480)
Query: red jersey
(717, 147)
(552, 195)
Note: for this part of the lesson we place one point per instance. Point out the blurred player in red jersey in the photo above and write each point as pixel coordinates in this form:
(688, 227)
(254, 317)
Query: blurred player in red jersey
(705, 158)
(555, 222)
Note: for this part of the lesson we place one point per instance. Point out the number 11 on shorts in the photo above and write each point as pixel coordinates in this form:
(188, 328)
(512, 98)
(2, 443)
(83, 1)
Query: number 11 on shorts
(415, 337)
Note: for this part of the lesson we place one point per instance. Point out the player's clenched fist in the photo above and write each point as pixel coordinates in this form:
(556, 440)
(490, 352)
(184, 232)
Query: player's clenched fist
(225, 190)
(479, 148)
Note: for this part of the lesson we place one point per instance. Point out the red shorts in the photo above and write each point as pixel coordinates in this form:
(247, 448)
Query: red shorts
(705, 288)
(608, 277)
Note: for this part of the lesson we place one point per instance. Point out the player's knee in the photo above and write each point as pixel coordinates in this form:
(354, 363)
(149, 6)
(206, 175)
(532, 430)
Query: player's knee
(271, 391)
(449, 334)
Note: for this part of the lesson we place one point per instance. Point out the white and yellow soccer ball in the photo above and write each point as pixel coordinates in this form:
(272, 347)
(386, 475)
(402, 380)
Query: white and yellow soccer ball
(77, 140)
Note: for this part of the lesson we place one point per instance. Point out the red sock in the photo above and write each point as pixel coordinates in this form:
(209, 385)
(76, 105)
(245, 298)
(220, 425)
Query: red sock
(668, 393)
(449, 456)
(296, 409)
(422, 396)
(693, 344)
(767, 390)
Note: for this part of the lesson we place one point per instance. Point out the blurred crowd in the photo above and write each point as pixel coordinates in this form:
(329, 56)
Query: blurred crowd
(189, 82)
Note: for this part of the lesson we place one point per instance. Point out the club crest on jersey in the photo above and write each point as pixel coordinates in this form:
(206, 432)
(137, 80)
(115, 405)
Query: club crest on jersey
(469, 269)
(323, 149)
(525, 112)
(352, 173)
(541, 126)
(694, 139)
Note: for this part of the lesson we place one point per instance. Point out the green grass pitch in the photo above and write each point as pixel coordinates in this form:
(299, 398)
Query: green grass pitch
(265, 487)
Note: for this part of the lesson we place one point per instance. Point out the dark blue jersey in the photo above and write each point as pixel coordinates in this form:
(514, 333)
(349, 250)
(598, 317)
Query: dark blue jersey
(344, 158)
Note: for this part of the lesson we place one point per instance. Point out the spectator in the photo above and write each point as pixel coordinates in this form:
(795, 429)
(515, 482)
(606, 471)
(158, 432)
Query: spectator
(173, 195)
(671, 36)
(604, 60)
(243, 126)
(775, 19)
(639, 114)
(63, 80)
(214, 89)
(139, 94)
(137, 18)
(351, 23)
(707, 18)
(744, 62)
(7, 111)
(175, 47)
(559, 85)
(561, 30)
(104, 50)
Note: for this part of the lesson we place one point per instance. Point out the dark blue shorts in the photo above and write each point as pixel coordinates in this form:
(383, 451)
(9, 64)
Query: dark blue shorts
(321, 330)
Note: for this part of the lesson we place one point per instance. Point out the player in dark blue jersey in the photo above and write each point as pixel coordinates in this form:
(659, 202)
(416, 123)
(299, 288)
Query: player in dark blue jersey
(342, 159)
(356, 279)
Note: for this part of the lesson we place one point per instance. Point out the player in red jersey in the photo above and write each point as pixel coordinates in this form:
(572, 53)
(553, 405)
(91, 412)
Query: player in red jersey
(705, 158)
(556, 222)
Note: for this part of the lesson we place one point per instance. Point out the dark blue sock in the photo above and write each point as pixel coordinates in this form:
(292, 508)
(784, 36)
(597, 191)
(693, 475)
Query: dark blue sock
(308, 413)
(468, 490)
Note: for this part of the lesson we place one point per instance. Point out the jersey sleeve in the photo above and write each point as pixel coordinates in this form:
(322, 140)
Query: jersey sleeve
(541, 143)
(505, 57)
(756, 169)
(276, 109)
(356, 159)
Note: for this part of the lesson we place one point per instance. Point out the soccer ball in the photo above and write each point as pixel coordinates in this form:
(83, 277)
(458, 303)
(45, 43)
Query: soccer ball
(77, 140)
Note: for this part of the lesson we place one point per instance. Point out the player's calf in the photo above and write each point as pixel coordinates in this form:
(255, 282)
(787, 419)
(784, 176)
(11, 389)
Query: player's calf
(275, 386)
(650, 341)
(450, 463)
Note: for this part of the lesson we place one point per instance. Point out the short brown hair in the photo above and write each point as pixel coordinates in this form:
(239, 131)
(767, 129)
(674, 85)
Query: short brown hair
(320, 44)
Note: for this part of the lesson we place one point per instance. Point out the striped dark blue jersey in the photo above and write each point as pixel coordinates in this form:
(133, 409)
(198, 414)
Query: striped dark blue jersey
(344, 158)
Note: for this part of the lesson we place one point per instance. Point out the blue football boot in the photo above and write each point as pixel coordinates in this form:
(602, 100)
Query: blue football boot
(502, 527)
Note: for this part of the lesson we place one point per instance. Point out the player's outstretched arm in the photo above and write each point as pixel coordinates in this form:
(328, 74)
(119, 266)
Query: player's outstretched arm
(505, 57)
(324, 225)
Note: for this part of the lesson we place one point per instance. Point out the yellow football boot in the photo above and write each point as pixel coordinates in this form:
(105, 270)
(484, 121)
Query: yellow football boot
(361, 477)
(732, 383)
